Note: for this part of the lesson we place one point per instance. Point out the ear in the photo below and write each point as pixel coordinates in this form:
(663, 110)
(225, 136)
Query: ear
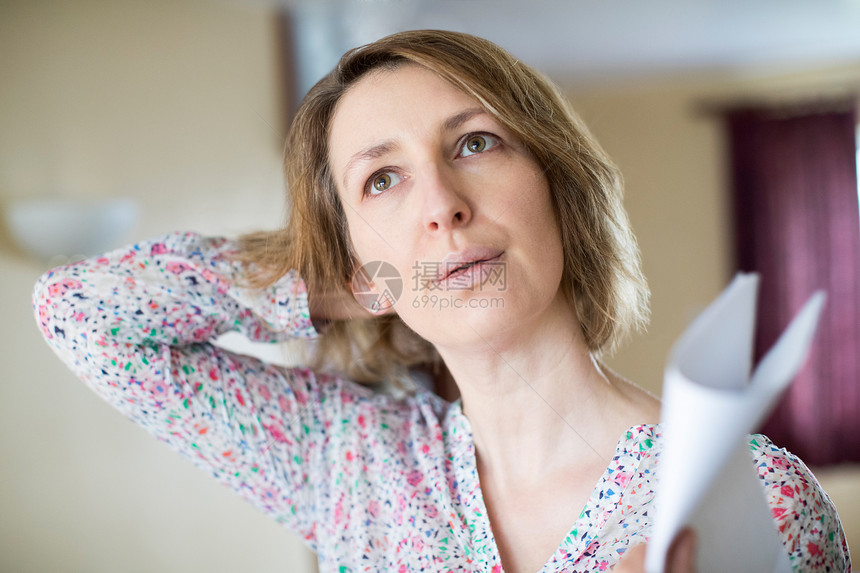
(372, 287)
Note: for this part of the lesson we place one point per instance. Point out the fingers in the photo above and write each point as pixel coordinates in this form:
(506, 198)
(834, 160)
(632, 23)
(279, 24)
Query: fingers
(632, 562)
(682, 553)
(681, 557)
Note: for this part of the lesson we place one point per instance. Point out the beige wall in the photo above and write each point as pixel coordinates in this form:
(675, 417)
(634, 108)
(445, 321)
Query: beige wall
(672, 156)
(169, 102)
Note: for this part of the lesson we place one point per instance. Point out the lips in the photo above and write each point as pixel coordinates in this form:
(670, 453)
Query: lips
(461, 262)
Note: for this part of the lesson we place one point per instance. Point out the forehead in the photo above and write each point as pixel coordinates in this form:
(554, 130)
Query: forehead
(393, 105)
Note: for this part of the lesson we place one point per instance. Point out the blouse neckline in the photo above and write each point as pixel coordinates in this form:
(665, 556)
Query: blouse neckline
(633, 446)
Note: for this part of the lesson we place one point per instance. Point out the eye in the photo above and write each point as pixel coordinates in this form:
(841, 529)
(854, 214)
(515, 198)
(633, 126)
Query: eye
(382, 181)
(477, 143)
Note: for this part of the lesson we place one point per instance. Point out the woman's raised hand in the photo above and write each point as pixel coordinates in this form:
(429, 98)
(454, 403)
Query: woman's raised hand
(681, 557)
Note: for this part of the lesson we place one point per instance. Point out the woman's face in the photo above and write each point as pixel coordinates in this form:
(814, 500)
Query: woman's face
(433, 185)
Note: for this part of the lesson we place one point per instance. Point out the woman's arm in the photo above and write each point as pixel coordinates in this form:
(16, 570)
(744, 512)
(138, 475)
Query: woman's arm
(806, 518)
(136, 326)
(178, 289)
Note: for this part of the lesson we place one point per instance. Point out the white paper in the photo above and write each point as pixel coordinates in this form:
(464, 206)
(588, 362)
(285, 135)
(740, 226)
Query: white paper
(710, 405)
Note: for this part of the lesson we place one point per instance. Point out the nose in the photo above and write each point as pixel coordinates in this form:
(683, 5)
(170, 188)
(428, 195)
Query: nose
(445, 206)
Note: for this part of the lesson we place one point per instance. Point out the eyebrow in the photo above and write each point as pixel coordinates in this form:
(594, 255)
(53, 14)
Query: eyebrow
(380, 149)
(459, 119)
(371, 152)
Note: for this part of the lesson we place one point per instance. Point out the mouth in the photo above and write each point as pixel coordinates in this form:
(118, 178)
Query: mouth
(466, 266)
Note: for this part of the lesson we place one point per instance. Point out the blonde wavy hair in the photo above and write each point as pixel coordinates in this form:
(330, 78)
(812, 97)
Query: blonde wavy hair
(602, 276)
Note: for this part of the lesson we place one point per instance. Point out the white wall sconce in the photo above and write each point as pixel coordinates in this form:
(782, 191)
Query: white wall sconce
(67, 230)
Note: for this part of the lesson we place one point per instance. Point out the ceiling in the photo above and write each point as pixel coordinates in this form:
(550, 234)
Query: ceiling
(593, 40)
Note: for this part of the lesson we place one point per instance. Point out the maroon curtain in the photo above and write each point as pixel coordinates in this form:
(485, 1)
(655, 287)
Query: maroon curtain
(797, 223)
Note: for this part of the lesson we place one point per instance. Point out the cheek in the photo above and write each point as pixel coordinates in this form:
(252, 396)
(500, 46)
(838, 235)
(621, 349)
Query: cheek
(544, 237)
(366, 243)
(372, 248)
(554, 249)
(386, 239)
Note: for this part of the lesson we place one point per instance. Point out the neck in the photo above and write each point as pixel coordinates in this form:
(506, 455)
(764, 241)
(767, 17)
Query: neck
(535, 398)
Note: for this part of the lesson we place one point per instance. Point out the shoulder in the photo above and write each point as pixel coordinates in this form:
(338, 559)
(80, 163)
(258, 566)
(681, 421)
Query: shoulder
(803, 513)
(363, 412)
(787, 480)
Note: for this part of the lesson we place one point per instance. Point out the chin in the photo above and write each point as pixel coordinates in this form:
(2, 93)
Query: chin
(450, 318)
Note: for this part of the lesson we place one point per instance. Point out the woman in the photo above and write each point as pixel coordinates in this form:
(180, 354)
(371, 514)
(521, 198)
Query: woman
(435, 163)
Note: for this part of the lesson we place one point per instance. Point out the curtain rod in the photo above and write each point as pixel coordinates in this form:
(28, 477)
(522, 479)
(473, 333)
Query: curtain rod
(779, 105)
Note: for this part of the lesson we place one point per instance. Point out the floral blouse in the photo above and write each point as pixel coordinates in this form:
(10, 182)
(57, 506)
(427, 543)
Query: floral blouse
(370, 482)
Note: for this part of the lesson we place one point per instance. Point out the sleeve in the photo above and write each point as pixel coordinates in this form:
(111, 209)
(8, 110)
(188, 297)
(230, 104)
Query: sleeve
(136, 324)
(803, 513)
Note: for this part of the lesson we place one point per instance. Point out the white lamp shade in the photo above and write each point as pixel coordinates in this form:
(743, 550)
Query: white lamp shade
(61, 227)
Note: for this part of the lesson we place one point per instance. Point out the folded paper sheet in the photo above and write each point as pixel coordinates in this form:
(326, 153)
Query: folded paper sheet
(710, 405)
